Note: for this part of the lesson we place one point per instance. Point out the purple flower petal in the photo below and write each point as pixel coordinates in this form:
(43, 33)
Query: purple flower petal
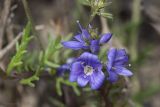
(112, 54)
(82, 80)
(73, 45)
(113, 77)
(85, 34)
(90, 59)
(94, 46)
(96, 80)
(123, 71)
(79, 38)
(111, 58)
(76, 70)
(121, 58)
(121, 52)
(121, 55)
(121, 62)
(105, 38)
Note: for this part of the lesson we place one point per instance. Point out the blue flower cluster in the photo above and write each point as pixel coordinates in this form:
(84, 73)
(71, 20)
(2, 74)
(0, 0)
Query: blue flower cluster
(86, 41)
(87, 69)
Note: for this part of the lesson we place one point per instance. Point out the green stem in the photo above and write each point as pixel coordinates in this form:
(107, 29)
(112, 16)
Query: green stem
(134, 35)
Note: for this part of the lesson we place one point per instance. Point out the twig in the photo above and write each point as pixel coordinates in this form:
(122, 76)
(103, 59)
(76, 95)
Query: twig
(9, 32)
(3, 19)
(9, 46)
(104, 25)
(9, 25)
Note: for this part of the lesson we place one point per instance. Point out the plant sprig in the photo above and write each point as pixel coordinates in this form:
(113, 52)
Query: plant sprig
(97, 8)
(20, 49)
(44, 61)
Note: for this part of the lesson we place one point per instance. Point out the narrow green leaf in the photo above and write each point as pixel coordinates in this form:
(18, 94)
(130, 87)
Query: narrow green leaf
(53, 65)
(18, 63)
(85, 2)
(29, 81)
(106, 15)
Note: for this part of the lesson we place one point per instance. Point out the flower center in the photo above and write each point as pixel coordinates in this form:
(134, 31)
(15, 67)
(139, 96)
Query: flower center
(88, 70)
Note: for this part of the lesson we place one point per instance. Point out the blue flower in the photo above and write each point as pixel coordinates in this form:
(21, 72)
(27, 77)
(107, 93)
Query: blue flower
(86, 41)
(117, 60)
(87, 69)
(65, 67)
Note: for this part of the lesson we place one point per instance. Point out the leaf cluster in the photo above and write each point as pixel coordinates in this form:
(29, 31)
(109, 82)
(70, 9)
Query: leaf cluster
(44, 62)
(20, 49)
(97, 8)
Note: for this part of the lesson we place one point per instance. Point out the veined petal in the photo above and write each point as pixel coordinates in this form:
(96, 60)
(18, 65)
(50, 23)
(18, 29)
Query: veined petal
(111, 58)
(113, 77)
(112, 54)
(76, 70)
(79, 38)
(123, 71)
(85, 47)
(121, 52)
(90, 59)
(82, 80)
(85, 34)
(121, 61)
(73, 45)
(121, 55)
(96, 80)
(94, 46)
(105, 38)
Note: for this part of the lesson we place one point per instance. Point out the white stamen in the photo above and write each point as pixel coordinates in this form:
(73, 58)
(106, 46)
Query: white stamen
(113, 68)
(88, 70)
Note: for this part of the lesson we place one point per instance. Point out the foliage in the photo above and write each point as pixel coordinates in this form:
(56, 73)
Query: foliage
(44, 61)
(97, 8)
(20, 49)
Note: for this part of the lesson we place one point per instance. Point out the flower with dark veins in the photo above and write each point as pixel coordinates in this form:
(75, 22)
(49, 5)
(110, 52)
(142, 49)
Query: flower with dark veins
(86, 41)
(117, 60)
(87, 69)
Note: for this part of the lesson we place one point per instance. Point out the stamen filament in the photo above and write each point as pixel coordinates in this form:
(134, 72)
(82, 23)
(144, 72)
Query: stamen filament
(79, 25)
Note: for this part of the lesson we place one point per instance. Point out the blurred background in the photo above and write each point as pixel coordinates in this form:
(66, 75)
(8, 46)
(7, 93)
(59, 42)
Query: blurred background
(135, 26)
